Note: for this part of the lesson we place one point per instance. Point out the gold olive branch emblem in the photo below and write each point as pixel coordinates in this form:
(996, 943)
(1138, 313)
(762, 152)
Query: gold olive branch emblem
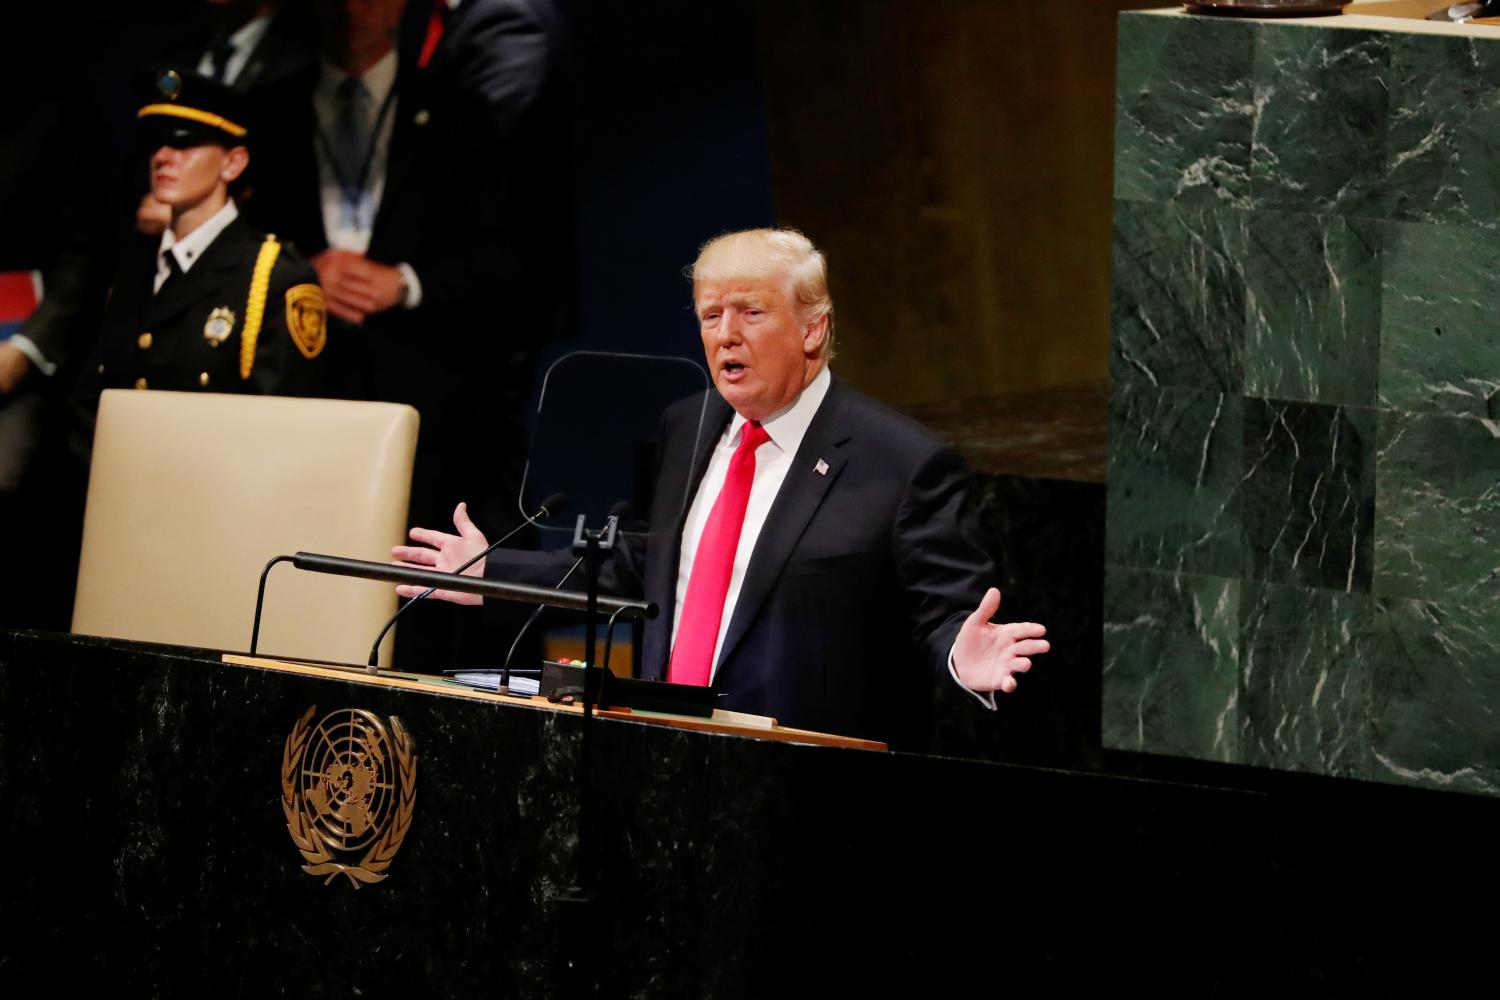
(316, 846)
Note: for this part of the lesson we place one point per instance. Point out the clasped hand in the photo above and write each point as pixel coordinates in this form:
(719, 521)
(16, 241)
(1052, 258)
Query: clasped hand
(356, 286)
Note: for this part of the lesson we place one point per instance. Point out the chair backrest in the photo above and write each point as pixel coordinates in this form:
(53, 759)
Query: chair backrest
(191, 493)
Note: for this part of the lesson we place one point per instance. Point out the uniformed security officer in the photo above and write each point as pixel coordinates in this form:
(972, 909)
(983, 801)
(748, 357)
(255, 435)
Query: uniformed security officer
(214, 305)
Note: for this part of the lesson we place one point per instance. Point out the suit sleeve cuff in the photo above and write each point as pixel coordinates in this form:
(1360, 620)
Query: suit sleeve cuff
(985, 698)
(413, 286)
(28, 347)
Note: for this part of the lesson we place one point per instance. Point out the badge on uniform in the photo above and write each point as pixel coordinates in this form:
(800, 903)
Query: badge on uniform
(307, 319)
(219, 326)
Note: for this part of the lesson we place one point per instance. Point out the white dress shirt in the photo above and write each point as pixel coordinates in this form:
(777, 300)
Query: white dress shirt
(242, 43)
(188, 249)
(773, 460)
(343, 230)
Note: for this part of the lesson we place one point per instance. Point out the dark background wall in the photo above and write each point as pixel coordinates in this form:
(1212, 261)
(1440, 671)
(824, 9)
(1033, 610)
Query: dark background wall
(953, 158)
(670, 150)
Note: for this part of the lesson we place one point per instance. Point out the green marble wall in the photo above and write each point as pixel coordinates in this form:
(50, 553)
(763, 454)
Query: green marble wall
(1303, 529)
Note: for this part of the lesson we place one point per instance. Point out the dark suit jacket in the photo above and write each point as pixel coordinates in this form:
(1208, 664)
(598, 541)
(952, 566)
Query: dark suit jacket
(464, 357)
(462, 201)
(858, 584)
(506, 64)
(440, 211)
(285, 48)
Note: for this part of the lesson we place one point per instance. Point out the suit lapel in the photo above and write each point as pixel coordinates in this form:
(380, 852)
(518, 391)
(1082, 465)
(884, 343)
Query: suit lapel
(303, 199)
(289, 200)
(716, 416)
(801, 494)
(411, 116)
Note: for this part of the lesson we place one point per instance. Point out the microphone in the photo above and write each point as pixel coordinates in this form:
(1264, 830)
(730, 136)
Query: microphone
(617, 513)
(553, 504)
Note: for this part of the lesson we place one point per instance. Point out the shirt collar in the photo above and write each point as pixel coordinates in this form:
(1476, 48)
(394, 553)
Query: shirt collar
(787, 428)
(378, 79)
(250, 33)
(188, 249)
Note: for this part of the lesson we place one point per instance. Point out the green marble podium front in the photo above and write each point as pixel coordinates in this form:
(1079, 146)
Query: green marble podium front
(1303, 537)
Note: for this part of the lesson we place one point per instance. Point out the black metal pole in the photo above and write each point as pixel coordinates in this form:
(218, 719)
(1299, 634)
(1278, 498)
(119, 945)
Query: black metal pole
(520, 592)
(577, 903)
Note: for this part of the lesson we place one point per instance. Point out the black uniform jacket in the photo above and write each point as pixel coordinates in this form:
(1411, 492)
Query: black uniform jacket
(190, 335)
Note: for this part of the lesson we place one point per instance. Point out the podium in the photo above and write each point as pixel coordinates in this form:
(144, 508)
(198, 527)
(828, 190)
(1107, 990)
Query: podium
(147, 845)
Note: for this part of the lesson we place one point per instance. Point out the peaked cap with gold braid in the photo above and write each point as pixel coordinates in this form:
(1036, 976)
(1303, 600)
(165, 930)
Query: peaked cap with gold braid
(185, 109)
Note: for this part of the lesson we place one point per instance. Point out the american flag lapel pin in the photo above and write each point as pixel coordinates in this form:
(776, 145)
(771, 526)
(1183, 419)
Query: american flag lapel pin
(821, 468)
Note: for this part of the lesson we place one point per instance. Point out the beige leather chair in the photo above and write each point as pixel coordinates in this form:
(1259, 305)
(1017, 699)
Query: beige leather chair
(191, 493)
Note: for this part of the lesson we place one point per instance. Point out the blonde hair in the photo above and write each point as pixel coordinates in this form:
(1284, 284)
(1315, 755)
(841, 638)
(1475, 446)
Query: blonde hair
(767, 254)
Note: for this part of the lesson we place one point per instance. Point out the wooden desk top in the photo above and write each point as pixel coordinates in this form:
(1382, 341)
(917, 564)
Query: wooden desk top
(728, 723)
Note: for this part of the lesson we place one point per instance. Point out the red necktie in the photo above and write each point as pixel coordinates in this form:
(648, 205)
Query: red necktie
(708, 583)
(435, 25)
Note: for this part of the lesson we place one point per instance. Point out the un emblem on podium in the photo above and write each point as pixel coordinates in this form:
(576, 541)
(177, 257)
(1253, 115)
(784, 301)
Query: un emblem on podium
(348, 788)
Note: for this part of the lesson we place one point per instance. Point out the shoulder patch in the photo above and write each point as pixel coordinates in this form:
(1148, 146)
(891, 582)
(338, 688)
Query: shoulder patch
(307, 319)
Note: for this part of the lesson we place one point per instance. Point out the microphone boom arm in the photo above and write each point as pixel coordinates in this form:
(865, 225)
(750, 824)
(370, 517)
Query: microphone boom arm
(519, 592)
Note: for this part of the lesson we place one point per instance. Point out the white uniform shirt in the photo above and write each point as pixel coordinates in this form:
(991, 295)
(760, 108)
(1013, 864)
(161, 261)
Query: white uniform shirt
(188, 249)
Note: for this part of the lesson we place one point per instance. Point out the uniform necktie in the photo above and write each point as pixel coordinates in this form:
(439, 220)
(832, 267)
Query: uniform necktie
(708, 583)
(174, 270)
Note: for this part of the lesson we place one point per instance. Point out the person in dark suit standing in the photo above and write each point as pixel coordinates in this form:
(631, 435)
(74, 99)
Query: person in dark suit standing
(213, 305)
(828, 566)
(251, 43)
(505, 66)
(395, 188)
(388, 167)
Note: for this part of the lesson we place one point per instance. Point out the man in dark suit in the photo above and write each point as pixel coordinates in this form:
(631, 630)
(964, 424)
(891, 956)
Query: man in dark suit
(828, 565)
(392, 180)
(251, 43)
(395, 174)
